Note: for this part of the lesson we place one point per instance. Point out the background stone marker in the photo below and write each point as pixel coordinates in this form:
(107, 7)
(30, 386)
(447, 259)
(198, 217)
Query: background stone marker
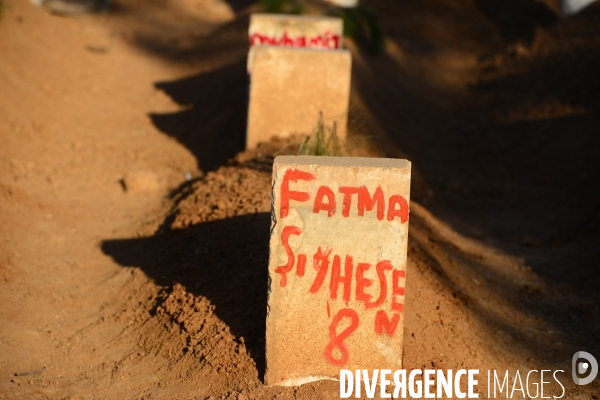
(337, 266)
(289, 87)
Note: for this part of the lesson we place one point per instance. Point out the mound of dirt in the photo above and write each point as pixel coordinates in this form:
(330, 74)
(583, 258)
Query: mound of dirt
(240, 189)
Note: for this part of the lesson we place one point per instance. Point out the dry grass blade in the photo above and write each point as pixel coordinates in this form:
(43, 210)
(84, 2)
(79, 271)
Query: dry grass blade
(323, 141)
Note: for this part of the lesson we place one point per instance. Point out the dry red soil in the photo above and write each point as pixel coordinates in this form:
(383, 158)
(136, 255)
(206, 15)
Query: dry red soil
(120, 278)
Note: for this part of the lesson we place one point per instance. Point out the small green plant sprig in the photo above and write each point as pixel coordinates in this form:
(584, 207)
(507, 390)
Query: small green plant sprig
(323, 141)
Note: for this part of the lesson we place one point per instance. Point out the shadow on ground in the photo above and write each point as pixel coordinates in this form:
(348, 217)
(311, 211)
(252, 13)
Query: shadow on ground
(518, 19)
(213, 124)
(238, 5)
(514, 157)
(223, 261)
(214, 101)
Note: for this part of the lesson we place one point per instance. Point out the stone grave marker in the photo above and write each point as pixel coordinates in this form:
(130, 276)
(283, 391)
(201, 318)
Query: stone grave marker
(290, 86)
(337, 266)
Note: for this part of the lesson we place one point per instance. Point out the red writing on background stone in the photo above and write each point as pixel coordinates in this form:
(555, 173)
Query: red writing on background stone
(327, 40)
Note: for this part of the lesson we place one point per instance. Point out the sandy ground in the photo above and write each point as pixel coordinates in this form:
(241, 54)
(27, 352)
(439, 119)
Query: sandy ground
(115, 235)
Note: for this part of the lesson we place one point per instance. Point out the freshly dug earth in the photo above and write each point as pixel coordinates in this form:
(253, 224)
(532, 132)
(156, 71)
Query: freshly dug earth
(133, 254)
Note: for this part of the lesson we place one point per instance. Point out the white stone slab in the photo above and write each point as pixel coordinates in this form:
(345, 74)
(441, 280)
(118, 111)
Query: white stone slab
(337, 266)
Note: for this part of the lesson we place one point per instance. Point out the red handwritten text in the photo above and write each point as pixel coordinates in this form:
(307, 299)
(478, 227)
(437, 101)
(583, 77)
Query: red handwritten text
(341, 275)
(338, 340)
(326, 40)
(325, 200)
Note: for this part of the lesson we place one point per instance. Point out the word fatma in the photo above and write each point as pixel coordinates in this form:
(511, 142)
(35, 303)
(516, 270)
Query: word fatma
(325, 199)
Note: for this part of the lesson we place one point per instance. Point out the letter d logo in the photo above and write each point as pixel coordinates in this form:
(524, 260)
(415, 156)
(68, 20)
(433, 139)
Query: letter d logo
(583, 367)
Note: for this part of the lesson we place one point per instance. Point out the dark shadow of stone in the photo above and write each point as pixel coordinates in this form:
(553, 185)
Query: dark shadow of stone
(213, 127)
(224, 261)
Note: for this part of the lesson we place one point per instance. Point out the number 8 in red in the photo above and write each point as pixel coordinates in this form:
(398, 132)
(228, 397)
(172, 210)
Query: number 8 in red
(338, 340)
